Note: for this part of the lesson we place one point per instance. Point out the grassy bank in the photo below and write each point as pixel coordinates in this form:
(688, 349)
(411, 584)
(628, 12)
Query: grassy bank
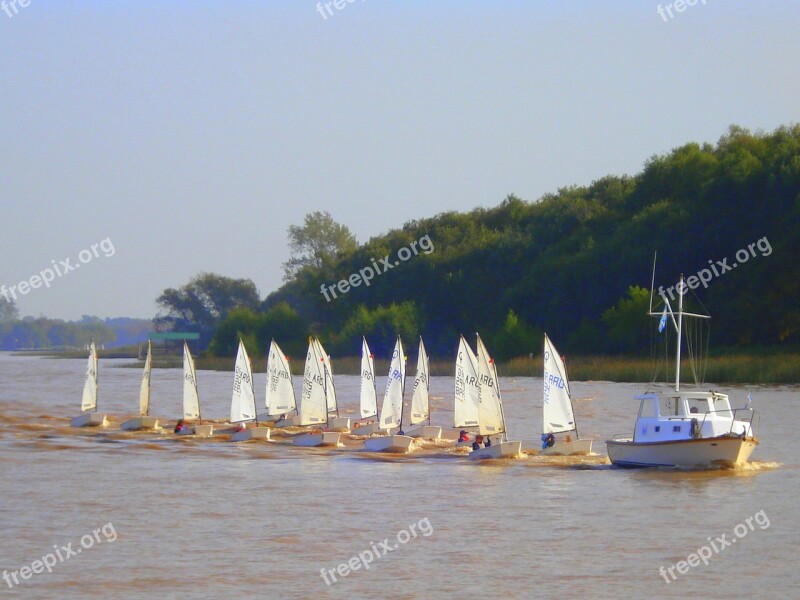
(761, 366)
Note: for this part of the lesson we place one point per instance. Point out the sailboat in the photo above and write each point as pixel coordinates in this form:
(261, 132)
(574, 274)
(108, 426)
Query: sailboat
(144, 420)
(90, 416)
(280, 398)
(243, 400)
(315, 401)
(392, 409)
(467, 390)
(335, 422)
(685, 429)
(491, 420)
(560, 432)
(191, 398)
(368, 398)
(420, 399)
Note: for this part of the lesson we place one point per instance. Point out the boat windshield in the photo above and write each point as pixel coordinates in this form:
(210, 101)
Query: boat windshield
(721, 406)
(669, 407)
(697, 405)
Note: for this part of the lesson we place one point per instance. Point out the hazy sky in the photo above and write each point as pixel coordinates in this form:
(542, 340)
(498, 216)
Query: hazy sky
(193, 133)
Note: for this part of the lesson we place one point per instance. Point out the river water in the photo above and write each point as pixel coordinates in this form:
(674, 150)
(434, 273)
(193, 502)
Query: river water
(156, 516)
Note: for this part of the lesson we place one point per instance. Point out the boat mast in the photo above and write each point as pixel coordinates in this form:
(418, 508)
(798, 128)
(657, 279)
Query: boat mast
(402, 380)
(681, 290)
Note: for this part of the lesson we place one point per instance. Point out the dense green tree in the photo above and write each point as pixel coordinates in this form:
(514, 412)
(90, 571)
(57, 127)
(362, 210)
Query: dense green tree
(317, 244)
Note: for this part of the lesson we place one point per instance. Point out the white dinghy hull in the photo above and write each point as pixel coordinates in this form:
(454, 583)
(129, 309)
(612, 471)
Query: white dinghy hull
(326, 438)
(564, 448)
(498, 450)
(429, 432)
(92, 419)
(396, 444)
(293, 421)
(367, 429)
(340, 424)
(140, 423)
(252, 433)
(725, 451)
(198, 430)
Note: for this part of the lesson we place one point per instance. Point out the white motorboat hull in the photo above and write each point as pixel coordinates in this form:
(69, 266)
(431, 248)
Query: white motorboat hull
(341, 424)
(367, 429)
(140, 423)
(397, 444)
(293, 421)
(91, 419)
(429, 432)
(564, 448)
(498, 450)
(704, 452)
(326, 438)
(252, 433)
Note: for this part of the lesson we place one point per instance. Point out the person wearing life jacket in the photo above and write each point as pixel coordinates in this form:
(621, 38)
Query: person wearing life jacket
(548, 440)
(476, 445)
(463, 436)
(180, 426)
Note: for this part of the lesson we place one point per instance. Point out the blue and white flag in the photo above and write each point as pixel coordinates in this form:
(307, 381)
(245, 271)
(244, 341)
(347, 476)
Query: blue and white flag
(663, 322)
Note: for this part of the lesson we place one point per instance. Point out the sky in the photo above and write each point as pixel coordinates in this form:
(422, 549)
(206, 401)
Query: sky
(185, 136)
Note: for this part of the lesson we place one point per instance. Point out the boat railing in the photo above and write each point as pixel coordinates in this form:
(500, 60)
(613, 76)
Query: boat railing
(737, 415)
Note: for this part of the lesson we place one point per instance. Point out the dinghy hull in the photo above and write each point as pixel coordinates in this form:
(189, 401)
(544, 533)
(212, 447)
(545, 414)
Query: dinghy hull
(326, 438)
(293, 421)
(140, 423)
(571, 448)
(253, 433)
(707, 452)
(367, 429)
(340, 424)
(92, 419)
(396, 444)
(429, 432)
(198, 430)
(499, 450)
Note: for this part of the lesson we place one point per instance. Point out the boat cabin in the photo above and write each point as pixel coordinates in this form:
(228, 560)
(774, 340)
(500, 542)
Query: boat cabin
(684, 416)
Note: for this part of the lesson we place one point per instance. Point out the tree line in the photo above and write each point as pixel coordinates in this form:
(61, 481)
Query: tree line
(576, 263)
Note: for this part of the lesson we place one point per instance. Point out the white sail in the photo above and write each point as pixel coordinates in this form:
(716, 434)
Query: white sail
(144, 389)
(392, 408)
(556, 403)
(313, 406)
(467, 391)
(369, 398)
(191, 399)
(490, 406)
(420, 411)
(243, 400)
(330, 389)
(89, 399)
(280, 392)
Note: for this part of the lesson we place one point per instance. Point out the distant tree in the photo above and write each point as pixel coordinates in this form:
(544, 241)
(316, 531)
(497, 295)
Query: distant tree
(8, 310)
(627, 322)
(239, 323)
(515, 338)
(381, 326)
(202, 303)
(317, 243)
(283, 324)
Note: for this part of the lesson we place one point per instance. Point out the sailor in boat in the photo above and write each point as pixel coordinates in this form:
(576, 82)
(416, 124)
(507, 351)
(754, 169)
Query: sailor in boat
(476, 445)
(463, 436)
(548, 441)
(180, 426)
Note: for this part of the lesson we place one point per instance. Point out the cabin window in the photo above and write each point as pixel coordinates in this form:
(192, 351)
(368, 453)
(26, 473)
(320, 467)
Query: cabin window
(668, 407)
(697, 406)
(676, 428)
(647, 409)
(721, 406)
